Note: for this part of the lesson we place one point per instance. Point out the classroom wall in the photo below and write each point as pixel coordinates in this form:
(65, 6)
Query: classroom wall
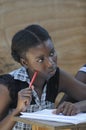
(64, 19)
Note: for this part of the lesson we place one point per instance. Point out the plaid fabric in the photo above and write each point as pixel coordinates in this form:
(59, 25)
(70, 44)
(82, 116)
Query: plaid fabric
(21, 74)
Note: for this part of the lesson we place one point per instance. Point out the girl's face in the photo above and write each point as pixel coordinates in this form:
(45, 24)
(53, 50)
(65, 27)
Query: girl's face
(43, 59)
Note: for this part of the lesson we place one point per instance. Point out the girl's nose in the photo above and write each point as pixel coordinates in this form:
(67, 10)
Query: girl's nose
(50, 62)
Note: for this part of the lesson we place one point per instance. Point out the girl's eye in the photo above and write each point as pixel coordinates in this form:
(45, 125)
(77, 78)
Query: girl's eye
(40, 60)
(52, 53)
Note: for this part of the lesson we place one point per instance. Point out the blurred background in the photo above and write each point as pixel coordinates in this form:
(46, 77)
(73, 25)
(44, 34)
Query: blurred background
(65, 20)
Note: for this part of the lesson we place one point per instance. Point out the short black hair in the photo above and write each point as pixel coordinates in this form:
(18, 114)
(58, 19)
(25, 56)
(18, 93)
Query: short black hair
(7, 80)
(31, 36)
(14, 86)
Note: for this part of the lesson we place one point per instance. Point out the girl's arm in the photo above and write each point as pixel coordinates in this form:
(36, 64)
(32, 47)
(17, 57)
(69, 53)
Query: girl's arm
(72, 87)
(24, 98)
(7, 123)
(75, 89)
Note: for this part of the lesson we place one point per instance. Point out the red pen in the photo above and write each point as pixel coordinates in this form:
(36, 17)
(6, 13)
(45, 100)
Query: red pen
(33, 79)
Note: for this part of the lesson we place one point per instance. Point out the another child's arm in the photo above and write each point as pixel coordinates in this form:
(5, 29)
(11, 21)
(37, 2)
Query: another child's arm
(24, 98)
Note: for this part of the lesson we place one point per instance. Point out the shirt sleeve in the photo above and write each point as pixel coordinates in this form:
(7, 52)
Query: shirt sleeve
(83, 68)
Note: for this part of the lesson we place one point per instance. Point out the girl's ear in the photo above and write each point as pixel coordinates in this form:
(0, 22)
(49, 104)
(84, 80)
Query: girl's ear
(23, 62)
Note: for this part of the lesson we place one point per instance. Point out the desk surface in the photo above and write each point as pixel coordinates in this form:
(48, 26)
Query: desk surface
(49, 124)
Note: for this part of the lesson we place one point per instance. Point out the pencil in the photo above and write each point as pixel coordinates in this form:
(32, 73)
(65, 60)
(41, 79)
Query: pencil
(33, 79)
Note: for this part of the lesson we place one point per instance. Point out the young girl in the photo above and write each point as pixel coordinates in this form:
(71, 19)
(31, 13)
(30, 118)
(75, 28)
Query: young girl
(33, 48)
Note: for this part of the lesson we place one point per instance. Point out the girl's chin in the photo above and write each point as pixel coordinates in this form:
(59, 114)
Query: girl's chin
(51, 74)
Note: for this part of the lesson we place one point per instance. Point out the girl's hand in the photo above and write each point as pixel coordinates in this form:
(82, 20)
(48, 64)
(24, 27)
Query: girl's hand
(68, 108)
(24, 99)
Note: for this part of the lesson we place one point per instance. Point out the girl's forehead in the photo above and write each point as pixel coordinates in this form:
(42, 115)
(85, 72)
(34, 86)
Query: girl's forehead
(41, 49)
(47, 45)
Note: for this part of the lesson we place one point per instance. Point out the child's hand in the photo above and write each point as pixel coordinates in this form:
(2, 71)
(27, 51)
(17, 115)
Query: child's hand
(68, 108)
(24, 99)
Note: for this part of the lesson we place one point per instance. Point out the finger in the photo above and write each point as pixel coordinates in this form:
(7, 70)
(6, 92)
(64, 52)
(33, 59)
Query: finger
(31, 87)
(26, 100)
(60, 108)
(26, 94)
(67, 109)
(75, 111)
(25, 91)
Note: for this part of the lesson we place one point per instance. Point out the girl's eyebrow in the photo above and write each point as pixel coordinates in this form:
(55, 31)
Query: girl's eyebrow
(39, 56)
(43, 55)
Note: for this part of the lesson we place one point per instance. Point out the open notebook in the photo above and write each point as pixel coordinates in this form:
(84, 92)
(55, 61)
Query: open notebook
(47, 114)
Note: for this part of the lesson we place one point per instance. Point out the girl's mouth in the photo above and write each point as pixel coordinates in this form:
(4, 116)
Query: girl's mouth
(52, 72)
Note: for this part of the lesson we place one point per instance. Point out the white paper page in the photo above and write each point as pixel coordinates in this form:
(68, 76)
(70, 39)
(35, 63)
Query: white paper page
(47, 114)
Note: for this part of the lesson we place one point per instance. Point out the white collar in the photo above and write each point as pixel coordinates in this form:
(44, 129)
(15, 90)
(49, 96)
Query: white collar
(20, 74)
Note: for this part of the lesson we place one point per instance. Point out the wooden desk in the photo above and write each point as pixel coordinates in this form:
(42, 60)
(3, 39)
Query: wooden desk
(47, 125)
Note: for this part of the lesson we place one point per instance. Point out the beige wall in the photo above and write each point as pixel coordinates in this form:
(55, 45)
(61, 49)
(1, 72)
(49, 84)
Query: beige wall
(64, 19)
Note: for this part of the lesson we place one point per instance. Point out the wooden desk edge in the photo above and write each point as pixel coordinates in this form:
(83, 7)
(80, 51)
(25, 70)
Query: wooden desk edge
(44, 123)
(32, 122)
